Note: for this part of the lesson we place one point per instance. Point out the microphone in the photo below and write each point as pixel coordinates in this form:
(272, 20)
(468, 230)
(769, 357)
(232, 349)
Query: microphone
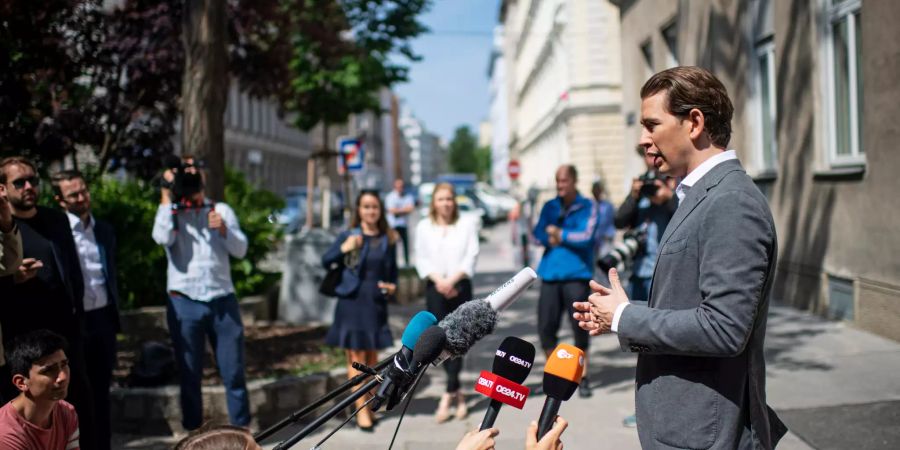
(476, 319)
(397, 375)
(563, 372)
(512, 364)
(510, 291)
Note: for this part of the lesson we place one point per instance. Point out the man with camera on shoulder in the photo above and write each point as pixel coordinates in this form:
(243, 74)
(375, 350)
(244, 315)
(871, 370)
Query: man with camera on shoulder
(199, 237)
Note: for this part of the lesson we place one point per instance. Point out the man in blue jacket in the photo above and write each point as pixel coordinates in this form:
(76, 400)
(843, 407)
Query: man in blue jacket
(566, 229)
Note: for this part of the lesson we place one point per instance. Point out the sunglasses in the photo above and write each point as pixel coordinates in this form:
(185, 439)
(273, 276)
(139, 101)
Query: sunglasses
(20, 183)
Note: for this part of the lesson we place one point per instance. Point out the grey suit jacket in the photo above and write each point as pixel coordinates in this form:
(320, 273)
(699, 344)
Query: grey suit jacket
(701, 371)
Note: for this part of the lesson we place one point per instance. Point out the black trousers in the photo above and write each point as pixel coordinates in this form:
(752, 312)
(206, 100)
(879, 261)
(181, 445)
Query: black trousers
(556, 299)
(404, 236)
(101, 360)
(440, 306)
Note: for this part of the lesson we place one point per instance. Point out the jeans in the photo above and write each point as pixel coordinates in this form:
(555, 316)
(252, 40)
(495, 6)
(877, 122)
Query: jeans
(190, 323)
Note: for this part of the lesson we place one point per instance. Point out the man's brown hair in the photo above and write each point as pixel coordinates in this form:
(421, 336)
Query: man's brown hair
(690, 87)
(11, 160)
(64, 175)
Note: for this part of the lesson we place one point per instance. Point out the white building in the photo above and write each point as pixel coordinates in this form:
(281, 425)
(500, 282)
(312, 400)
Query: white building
(427, 157)
(564, 82)
(498, 116)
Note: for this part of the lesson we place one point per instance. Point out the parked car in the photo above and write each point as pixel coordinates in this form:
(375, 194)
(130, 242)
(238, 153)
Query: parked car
(497, 204)
(293, 216)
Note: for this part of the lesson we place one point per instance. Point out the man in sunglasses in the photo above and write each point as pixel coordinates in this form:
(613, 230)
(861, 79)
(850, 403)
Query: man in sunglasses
(10, 249)
(47, 288)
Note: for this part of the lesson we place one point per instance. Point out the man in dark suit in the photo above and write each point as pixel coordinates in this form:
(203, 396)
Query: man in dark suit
(46, 291)
(96, 244)
(701, 371)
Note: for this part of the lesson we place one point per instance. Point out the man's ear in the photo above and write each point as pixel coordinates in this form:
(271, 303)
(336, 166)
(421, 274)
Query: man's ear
(698, 123)
(20, 382)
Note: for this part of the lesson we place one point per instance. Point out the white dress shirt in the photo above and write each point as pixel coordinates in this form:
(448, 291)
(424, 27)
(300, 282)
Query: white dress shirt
(681, 191)
(91, 264)
(199, 265)
(446, 249)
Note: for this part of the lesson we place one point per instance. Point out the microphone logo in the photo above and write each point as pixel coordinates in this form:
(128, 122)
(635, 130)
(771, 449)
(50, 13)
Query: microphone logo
(563, 354)
(502, 389)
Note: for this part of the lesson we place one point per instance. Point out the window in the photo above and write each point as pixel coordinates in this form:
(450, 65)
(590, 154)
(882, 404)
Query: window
(765, 106)
(670, 36)
(842, 40)
(647, 53)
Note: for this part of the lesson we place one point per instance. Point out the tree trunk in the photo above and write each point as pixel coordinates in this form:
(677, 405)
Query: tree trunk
(205, 89)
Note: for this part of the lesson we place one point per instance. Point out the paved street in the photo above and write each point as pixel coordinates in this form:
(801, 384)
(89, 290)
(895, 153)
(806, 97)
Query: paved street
(835, 387)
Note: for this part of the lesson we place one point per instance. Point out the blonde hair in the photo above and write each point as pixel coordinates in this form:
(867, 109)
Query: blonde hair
(432, 212)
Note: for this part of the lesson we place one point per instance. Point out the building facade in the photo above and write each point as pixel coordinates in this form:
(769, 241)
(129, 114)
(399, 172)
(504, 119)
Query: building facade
(814, 89)
(427, 155)
(562, 69)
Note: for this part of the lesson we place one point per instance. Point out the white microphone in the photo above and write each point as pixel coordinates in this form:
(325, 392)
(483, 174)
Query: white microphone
(474, 320)
(510, 291)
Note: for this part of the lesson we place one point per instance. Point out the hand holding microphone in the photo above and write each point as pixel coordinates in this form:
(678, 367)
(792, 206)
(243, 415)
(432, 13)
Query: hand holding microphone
(550, 441)
(562, 374)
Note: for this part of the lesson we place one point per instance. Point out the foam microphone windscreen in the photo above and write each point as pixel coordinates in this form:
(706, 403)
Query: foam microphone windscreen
(430, 344)
(563, 371)
(418, 324)
(467, 324)
(513, 359)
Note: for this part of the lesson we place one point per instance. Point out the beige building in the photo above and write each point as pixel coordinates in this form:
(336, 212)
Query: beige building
(816, 96)
(562, 72)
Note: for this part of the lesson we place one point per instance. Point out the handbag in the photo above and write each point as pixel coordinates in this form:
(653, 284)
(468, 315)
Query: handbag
(332, 280)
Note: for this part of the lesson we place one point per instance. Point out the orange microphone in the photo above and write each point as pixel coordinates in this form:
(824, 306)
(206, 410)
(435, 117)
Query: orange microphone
(562, 374)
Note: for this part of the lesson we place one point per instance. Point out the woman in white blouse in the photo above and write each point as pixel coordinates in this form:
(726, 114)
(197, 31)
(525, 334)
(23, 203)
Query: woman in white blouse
(446, 248)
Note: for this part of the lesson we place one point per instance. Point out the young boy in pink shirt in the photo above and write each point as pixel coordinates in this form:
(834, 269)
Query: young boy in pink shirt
(38, 418)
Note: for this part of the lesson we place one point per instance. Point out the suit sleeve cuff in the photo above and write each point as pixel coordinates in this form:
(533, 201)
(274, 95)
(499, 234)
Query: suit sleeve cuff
(617, 316)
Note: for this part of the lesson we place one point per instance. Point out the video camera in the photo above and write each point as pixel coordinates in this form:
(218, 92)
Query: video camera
(648, 186)
(186, 182)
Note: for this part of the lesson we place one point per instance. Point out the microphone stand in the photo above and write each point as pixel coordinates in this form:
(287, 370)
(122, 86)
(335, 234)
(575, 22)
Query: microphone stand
(333, 411)
(319, 445)
(294, 417)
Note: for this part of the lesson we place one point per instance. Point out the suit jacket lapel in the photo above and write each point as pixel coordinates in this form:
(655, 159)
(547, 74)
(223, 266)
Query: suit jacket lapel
(694, 197)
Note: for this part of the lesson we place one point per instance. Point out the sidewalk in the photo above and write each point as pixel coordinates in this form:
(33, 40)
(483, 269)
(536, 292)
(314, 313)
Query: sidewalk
(834, 386)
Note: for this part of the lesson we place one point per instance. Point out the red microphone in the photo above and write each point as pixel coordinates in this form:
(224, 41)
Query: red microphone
(501, 389)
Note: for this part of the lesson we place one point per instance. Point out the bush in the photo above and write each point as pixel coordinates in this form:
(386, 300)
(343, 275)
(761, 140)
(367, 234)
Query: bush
(130, 207)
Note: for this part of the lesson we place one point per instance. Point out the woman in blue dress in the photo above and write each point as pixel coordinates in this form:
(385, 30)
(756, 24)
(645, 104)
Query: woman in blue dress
(368, 256)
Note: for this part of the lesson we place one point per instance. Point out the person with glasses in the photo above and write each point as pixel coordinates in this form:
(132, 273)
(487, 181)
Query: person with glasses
(96, 243)
(566, 230)
(46, 290)
(10, 249)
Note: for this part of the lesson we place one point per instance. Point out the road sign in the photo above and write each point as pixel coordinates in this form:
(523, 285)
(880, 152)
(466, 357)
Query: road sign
(514, 169)
(352, 154)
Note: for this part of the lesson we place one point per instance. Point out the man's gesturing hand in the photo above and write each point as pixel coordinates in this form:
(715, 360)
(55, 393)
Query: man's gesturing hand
(596, 314)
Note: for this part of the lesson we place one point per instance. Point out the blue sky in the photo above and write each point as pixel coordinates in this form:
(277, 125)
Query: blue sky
(449, 87)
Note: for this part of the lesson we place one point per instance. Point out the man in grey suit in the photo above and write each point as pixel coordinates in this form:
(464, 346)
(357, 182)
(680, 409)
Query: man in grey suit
(701, 371)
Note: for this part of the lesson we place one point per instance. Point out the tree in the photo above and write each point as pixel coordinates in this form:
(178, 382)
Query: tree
(483, 163)
(462, 151)
(204, 92)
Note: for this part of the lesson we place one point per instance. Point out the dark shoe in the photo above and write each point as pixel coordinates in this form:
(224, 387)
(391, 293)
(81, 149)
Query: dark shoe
(368, 429)
(584, 389)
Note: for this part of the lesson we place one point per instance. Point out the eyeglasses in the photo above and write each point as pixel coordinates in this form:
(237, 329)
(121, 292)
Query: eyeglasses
(20, 183)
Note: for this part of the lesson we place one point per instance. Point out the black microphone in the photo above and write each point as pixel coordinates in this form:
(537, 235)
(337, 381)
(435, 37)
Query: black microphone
(397, 375)
(512, 361)
(563, 372)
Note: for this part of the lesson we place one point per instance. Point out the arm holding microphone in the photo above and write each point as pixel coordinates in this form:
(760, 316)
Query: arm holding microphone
(484, 439)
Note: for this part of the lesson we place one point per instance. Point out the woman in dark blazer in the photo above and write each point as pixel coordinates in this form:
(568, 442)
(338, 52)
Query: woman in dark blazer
(368, 257)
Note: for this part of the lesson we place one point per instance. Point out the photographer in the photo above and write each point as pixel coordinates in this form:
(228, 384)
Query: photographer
(199, 237)
(645, 213)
